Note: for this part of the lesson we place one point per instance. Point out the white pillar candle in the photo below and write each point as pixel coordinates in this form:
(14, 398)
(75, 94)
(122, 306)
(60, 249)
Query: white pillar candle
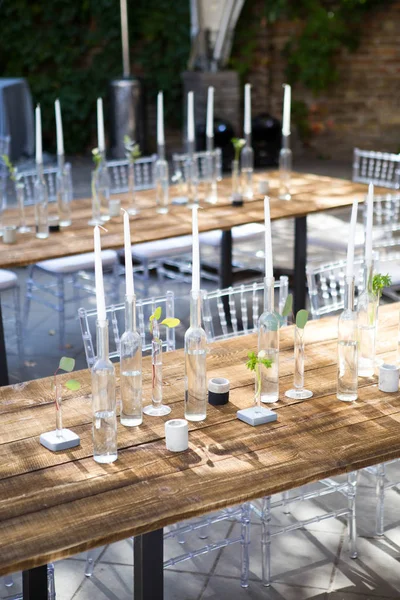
(128, 256)
(352, 236)
(286, 109)
(268, 239)
(38, 128)
(100, 126)
(98, 271)
(177, 435)
(190, 117)
(210, 112)
(247, 109)
(195, 251)
(59, 129)
(160, 119)
(370, 219)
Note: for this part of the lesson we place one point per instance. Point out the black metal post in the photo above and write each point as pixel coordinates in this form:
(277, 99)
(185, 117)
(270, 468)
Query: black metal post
(3, 356)
(225, 272)
(300, 259)
(34, 584)
(149, 566)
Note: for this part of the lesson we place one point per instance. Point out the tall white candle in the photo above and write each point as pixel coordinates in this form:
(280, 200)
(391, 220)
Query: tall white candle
(286, 109)
(160, 119)
(128, 256)
(352, 236)
(98, 272)
(268, 239)
(100, 126)
(210, 112)
(190, 117)
(59, 129)
(38, 129)
(195, 251)
(370, 219)
(247, 109)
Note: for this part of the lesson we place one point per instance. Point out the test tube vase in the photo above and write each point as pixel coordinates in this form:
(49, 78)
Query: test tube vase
(298, 392)
(41, 204)
(60, 438)
(195, 363)
(247, 168)
(268, 345)
(367, 321)
(162, 182)
(285, 169)
(131, 368)
(156, 408)
(347, 373)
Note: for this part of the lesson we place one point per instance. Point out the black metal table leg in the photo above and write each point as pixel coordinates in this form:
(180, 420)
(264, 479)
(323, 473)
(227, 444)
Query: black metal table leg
(300, 259)
(149, 566)
(3, 356)
(225, 272)
(34, 584)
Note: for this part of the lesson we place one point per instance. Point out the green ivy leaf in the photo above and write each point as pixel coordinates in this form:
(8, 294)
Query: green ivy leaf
(301, 318)
(156, 314)
(170, 322)
(73, 385)
(67, 364)
(288, 306)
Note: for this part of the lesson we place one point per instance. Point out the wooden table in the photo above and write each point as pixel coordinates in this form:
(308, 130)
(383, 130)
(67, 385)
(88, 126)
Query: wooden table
(55, 505)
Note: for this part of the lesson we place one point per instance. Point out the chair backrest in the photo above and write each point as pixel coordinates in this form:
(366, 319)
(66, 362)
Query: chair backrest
(379, 168)
(326, 286)
(27, 178)
(5, 141)
(179, 162)
(386, 215)
(234, 311)
(143, 169)
(116, 318)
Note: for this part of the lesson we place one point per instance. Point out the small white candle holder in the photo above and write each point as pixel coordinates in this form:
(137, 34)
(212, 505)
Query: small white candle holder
(115, 207)
(388, 378)
(9, 234)
(177, 435)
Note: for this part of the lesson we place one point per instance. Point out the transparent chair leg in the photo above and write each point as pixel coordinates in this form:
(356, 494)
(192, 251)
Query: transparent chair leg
(51, 586)
(8, 580)
(18, 325)
(380, 499)
(245, 544)
(61, 310)
(266, 540)
(89, 566)
(203, 533)
(286, 506)
(352, 525)
(28, 296)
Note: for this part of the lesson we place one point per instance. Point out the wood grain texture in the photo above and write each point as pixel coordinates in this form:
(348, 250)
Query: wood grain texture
(55, 505)
(311, 193)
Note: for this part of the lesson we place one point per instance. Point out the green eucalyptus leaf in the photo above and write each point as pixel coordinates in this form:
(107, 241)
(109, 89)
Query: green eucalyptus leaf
(67, 364)
(301, 318)
(156, 314)
(288, 306)
(73, 385)
(170, 322)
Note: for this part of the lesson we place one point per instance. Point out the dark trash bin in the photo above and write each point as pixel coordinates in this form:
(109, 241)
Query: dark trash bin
(127, 114)
(223, 134)
(266, 140)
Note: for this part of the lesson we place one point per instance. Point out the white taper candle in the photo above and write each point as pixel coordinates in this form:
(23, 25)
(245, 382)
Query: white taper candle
(352, 236)
(38, 129)
(190, 117)
(100, 126)
(195, 251)
(268, 239)
(98, 271)
(128, 257)
(370, 220)
(210, 112)
(59, 129)
(286, 109)
(160, 119)
(247, 108)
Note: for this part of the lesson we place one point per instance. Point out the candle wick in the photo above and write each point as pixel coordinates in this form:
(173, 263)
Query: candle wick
(103, 228)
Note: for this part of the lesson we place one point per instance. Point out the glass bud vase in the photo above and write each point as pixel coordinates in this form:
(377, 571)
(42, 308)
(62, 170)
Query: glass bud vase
(211, 172)
(367, 314)
(195, 363)
(103, 189)
(132, 208)
(268, 345)
(96, 208)
(41, 204)
(236, 195)
(64, 193)
(20, 193)
(162, 182)
(247, 168)
(131, 368)
(347, 384)
(104, 400)
(285, 168)
(298, 392)
(156, 408)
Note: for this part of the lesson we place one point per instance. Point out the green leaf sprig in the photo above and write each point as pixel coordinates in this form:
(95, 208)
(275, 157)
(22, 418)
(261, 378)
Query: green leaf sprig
(11, 169)
(379, 282)
(302, 315)
(170, 322)
(132, 149)
(97, 158)
(254, 364)
(66, 364)
(238, 145)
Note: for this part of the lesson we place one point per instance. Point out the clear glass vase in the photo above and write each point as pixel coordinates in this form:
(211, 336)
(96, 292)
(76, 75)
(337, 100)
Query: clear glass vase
(20, 193)
(347, 374)
(41, 204)
(247, 168)
(3, 205)
(236, 193)
(195, 363)
(191, 176)
(131, 368)
(96, 208)
(132, 208)
(298, 392)
(268, 345)
(367, 315)
(104, 400)
(211, 172)
(162, 182)
(64, 193)
(102, 184)
(285, 168)
(156, 408)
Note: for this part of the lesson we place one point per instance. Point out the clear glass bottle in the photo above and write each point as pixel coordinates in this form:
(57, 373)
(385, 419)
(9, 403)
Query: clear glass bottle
(162, 181)
(104, 401)
(211, 172)
(96, 208)
(20, 193)
(236, 195)
(367, 314)
(41, 204)
(298, 392)
(3, 204)
(195, 363)
(131, 368)
(156, 408)
(191, 175)
(247, 168)
(268, 345)
(132, 209)
(64, 193)
(285, 168)
(347, 373)
(103, 188)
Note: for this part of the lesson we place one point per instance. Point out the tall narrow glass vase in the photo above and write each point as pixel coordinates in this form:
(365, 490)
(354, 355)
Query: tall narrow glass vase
(268, 345)
(64, 193)
(347, 384)
(131, 368)
(236, 194)
(367, 313)
(195, 363)
(298, 392)
(103, 188)
(132, 208)
(191, 176)
(156, 408)
(285, 168)
(41, 204)
(211, 172)
(20, 193)
(96, 207)
(247, 168)
(162, 181)
(104, 400)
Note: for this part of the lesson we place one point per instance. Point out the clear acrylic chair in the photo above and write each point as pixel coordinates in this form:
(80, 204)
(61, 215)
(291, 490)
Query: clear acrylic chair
(180, 162)
(27, 178)
(144, 174)
(379, 168)
(9, 286)
(5, 141)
